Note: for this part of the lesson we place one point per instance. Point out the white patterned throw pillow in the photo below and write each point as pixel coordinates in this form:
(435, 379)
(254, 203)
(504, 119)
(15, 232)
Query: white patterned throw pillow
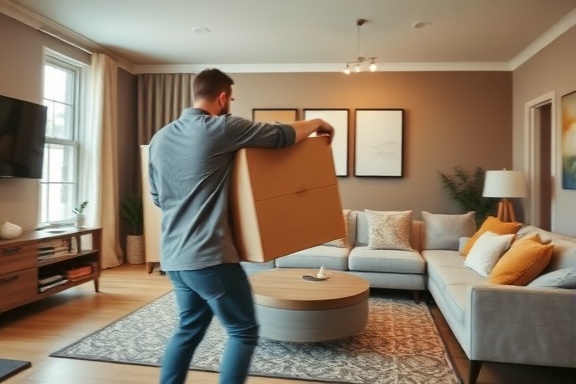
(389, 230)
(486, 252)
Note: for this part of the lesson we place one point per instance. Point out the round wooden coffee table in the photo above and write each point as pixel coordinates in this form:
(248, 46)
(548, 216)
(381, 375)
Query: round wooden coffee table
(290, 308)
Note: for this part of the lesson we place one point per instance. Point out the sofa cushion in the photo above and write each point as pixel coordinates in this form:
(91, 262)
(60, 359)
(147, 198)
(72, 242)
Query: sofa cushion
(251, 267)
(364, 258)
(564, 254)
(545, 235)
(444, 231)
(486, 251)
(447, 268)
(525, 260)
(447, 273)
(492, 224)
(315, 257)
(389, 230)
(562, 278)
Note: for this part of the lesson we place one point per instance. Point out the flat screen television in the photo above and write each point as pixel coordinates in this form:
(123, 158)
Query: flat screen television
(22, 129)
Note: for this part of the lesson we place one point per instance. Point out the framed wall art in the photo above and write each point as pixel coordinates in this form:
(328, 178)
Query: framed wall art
(271, 115)
(568, 145)
(379, 142)
(338, 118)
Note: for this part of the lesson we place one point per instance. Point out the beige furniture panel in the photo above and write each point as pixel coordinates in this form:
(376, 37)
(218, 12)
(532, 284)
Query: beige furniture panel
(152, 216)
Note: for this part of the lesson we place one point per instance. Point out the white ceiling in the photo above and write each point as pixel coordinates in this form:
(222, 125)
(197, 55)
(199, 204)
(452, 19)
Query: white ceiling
(304, 35)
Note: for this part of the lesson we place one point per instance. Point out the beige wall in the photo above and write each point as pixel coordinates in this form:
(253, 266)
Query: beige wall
(551, 70)
(21, 68)
(451, 118)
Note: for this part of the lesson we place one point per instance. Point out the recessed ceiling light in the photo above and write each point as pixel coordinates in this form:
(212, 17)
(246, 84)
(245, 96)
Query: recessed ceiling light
(200, 30)
(421, 25)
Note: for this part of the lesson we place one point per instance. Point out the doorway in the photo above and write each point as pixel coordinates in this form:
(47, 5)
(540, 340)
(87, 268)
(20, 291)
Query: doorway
(539, 159)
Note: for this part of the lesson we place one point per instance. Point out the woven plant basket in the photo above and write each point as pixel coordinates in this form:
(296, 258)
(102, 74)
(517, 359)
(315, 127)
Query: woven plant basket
(135, 249)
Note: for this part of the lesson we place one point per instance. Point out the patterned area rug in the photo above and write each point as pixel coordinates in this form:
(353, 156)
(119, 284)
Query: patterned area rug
(399, 345)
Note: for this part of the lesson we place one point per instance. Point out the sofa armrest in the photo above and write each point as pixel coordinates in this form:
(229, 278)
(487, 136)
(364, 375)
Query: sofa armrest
(522, 325)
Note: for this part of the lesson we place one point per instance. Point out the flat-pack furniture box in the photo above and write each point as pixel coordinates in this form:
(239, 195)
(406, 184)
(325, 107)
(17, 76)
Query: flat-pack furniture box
(285, 200)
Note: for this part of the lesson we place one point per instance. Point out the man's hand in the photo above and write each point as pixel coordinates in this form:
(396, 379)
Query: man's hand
(325, 129)
(307, 127)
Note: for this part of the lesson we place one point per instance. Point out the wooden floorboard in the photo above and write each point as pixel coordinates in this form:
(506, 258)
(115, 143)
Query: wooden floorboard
(34, 331)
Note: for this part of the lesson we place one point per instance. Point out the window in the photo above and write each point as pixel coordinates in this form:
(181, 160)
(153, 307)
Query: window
(59, 184)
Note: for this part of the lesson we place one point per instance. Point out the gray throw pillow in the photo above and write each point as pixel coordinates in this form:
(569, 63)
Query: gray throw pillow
(562, 278)
(444, 231)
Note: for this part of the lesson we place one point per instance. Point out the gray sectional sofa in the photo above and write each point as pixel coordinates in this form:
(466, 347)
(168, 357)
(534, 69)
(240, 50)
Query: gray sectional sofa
(532, 324)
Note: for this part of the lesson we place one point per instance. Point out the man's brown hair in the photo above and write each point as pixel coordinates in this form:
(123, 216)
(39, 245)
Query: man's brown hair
(210, 83)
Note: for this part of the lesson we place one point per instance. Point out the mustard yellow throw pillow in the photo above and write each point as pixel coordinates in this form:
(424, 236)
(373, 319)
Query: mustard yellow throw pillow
(522, 263)
(494, 225)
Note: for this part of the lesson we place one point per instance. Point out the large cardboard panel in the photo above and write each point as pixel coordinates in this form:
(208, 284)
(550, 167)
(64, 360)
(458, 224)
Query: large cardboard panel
(275, 172)
(285, 200)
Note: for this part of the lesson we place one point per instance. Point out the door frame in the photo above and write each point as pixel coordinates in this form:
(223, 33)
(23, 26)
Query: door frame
(532, 155)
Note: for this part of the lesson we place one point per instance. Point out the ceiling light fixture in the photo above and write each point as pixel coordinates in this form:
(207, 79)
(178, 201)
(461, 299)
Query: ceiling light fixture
(360, 59)
(200, 30)
(421, 25)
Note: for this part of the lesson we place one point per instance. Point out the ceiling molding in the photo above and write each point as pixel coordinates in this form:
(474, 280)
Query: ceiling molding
(325, 67)
(548, 37)
(49, 27)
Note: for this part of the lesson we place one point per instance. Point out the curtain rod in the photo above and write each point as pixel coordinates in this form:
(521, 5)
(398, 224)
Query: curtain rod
(41, 29)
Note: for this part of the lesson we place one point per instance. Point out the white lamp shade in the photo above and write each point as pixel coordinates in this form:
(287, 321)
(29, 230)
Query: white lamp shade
(504, 184)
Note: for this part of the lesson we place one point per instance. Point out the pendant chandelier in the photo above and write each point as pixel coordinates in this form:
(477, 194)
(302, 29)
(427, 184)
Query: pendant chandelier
(360, 58)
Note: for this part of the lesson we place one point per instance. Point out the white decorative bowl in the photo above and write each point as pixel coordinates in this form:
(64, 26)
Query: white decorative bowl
(9, 231)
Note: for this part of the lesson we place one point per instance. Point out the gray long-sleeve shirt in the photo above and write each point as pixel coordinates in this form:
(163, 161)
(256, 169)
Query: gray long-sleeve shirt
(190, 164)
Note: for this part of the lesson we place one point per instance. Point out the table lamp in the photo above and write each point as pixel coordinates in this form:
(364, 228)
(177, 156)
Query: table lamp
(505, 184)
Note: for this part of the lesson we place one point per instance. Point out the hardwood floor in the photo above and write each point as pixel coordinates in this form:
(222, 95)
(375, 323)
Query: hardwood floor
(34, 331)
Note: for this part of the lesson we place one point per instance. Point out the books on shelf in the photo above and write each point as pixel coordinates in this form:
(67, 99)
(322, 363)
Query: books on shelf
(45, 287)
(50, 279)
(79, 273)
(57, 248)
(58, 276)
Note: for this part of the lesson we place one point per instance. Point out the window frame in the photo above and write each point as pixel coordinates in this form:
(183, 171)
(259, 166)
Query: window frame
(59, 61)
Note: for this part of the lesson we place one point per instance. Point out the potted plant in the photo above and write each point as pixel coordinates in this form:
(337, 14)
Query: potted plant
(79, 212)
(466, 189)
(132, 211)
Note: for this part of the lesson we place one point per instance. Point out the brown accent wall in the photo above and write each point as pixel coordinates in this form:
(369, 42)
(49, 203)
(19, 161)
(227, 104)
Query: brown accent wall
(451, 118)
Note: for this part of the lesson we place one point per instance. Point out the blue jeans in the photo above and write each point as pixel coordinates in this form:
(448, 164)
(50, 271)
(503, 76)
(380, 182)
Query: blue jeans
(222, 290)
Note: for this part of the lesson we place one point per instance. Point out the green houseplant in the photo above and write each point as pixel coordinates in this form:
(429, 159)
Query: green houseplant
(132, 211)
(465, 188)
(79, 212)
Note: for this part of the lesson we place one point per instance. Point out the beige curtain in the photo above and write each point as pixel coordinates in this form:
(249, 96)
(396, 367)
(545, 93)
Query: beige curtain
(161, 99)
(100, 181)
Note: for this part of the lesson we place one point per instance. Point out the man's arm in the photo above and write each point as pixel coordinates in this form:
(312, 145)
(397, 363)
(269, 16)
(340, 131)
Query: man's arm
(306, 127)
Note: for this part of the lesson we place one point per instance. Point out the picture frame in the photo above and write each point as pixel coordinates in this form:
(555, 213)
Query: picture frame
(275, 115)
(379, 144)
(338, 118)
(568, 140)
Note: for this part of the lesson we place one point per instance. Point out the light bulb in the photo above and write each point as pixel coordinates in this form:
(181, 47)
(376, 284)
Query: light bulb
(357, 68)
(373, 67)
(347, 70)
